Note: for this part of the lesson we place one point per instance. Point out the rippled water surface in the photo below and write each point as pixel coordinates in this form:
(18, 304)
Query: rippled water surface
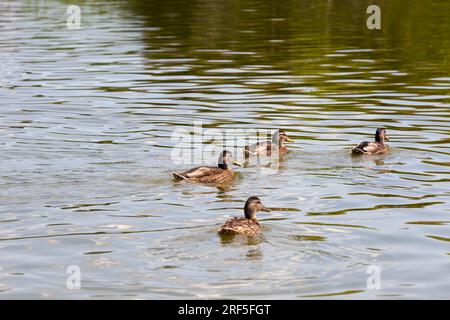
(85, 135)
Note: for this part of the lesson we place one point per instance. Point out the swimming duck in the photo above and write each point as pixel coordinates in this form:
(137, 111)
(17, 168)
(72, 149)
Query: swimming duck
(220, 174)
(269, 147)
(376, 147)
(248, 225)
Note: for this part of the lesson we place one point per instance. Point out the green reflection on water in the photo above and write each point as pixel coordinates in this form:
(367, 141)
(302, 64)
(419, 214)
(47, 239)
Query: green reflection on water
(295, 34)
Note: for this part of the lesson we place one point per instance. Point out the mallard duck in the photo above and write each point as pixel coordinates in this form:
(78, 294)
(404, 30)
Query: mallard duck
(376, 147)
(269, 147)
(248, 225)
(220, 174)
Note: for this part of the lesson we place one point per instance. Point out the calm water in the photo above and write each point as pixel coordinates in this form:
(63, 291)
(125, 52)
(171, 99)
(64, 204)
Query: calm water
(85, 134)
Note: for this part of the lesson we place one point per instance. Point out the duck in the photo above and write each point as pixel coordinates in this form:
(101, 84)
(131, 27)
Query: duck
(276, 145)
(223, 173)
(247, 225)
(376, 147)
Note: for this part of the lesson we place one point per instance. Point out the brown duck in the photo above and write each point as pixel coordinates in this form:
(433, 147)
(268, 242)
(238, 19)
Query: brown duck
(248, 225)
(268, 147)
(376, 147)
(220, 174)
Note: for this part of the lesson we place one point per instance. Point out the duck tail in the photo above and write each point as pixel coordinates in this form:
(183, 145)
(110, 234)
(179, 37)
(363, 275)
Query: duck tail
(246, 152)
(225, 231)
(179, 176)
(357, 150)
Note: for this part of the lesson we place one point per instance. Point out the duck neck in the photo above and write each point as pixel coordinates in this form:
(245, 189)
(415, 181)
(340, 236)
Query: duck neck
(250, 213)
(224, 166)
(379, 139)
(276, 140)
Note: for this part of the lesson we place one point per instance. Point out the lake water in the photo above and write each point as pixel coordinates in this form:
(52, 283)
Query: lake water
(86, 125)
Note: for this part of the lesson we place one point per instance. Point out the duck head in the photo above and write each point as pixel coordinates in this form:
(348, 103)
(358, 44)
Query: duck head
(380, 135)
(226, 160)
(252, 206)
(280, 137)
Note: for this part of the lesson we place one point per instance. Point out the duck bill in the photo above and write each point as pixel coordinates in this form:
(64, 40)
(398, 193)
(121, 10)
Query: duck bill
(265, 209)
(386, 138)
(237, 164)
(289, 140)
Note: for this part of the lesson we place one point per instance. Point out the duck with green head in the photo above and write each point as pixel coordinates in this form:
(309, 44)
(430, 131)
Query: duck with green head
(276, 145)
(376, 147)
(223, 173)
(247, 225)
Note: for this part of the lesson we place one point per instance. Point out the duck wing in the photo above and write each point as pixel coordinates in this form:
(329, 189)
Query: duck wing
(198, 172)
(259, 148)
(366, 147)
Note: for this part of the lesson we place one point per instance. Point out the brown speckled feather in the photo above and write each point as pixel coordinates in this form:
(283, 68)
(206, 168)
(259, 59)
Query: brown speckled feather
(206, 175)
(243, 226)
(265, 149)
